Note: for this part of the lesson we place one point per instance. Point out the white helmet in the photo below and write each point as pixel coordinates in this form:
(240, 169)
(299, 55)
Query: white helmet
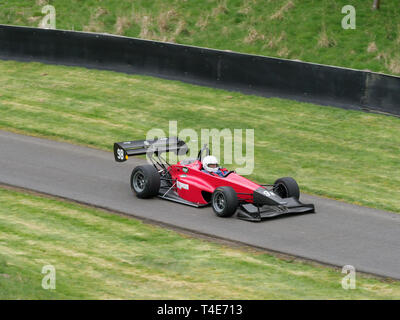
(210, 163)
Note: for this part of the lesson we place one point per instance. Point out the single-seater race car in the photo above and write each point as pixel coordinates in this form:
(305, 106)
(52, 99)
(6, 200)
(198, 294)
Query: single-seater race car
(186, 183)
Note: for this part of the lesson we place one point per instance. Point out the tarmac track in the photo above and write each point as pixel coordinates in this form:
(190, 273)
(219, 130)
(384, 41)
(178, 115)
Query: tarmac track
(338, 234)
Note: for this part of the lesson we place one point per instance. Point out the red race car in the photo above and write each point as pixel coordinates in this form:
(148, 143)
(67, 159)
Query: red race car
(186, 182)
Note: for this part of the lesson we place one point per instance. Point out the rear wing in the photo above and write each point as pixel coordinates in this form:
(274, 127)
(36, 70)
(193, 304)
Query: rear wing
(123, 150)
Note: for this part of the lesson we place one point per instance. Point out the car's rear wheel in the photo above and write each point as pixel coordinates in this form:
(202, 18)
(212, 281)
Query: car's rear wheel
(287, 187)
(145, 181)
(224, 201)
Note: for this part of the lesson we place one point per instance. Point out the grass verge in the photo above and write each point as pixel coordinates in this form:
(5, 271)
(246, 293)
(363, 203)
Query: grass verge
(98, 255)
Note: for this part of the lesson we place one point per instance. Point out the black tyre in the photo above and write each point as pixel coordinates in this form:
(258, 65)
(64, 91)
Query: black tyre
(145, 181)
(287, 187)
(224, 201)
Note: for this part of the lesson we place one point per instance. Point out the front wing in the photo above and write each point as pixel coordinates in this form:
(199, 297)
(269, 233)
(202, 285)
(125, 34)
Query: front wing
(253, 213)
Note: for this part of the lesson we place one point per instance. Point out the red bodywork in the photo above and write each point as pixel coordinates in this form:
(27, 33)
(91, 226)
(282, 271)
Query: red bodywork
(196, 186)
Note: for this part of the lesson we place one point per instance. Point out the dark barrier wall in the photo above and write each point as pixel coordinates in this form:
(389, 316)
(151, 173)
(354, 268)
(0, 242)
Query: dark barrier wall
(222, 69)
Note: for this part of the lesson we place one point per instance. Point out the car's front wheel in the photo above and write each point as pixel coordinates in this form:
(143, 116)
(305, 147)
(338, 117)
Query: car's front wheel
(287, 187)
(145, 181)
(224, 201)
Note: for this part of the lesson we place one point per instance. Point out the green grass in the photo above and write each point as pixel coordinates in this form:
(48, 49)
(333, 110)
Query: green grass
(98, 255)
(308, 30)
(342, 154)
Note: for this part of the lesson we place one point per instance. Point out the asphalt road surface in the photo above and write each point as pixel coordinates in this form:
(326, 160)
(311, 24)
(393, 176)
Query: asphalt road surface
(339, 233)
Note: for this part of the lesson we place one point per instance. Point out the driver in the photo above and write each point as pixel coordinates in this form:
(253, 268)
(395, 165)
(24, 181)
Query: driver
(210, 165)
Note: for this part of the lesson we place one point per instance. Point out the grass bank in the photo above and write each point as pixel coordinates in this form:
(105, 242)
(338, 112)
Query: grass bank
(308, 30)
(97, 255)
